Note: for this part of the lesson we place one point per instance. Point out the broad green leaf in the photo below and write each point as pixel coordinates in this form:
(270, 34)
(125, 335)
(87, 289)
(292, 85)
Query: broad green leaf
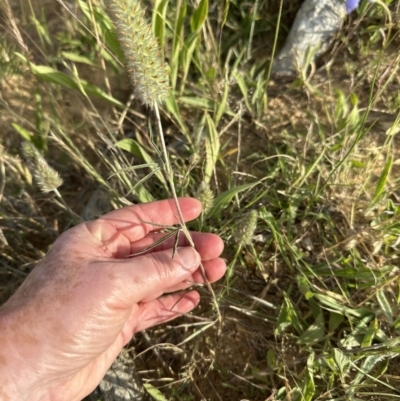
(155, 393)
(224, 199)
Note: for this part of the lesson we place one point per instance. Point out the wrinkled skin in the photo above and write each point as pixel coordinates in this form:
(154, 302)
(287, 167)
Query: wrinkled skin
(85, 300)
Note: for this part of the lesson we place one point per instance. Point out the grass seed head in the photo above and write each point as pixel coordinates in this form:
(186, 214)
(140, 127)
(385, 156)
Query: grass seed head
(193, 159)
(206, 197)
(148, 72)
(47, 178)
(245, 229)
(30, 153)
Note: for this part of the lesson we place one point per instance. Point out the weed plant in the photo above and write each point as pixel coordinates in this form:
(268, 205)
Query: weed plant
(309, 307)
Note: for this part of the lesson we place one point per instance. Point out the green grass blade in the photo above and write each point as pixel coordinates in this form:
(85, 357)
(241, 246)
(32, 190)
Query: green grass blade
(77, 58)
(223, 200)
(381, 185)
(154, 393)
(223, 103)
(212, 148)
(225, 11)
(199, 16)
(159, 17)
(177, 42)
(49, 74)
(27, 135)
(172, 107)
(186, 57)
(385, 306)
(314, 333)
(196, 333)
(133, 147)
(243, 88)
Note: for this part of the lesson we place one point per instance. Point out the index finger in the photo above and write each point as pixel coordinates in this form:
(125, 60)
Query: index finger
(135, 222)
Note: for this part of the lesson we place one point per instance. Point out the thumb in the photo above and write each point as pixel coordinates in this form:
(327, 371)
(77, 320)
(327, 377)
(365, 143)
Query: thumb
(150, 274)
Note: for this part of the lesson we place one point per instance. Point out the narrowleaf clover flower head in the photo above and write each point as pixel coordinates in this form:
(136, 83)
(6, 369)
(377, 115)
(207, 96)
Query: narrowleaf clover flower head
(46, 177)
(146, 67)
(246, 227)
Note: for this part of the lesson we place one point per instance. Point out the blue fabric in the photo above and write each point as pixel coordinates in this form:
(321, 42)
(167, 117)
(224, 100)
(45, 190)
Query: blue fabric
(351, 5)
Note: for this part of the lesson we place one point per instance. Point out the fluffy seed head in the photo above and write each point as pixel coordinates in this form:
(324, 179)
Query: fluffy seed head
(206, 197)
(148, 72)
(193, 159)
(246, 228)
(47, 178)
(31, 153)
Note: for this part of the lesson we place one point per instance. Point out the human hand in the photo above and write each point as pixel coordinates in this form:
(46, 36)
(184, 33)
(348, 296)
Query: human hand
(84, 301)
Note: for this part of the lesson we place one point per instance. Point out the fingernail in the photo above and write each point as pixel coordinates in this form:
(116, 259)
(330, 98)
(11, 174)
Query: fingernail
(189, 257)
